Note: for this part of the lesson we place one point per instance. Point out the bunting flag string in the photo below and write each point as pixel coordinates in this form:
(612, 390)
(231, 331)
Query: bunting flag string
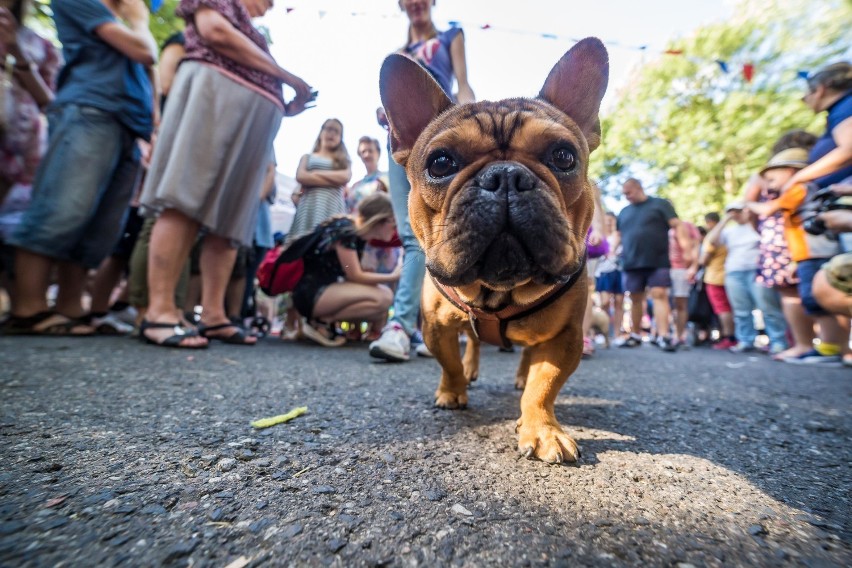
(747, 70)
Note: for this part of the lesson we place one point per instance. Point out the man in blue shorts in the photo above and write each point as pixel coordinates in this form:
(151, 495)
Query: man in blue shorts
(643, 228)
(104, 103)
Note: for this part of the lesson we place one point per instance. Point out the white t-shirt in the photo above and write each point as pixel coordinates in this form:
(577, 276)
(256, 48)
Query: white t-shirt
(743, 244)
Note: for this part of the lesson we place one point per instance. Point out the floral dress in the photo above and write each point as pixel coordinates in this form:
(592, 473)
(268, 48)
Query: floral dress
(775, 267)
(24, 137)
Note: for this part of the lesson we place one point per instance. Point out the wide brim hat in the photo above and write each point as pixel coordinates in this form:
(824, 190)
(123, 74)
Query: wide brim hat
(796, 158)
(735, 206)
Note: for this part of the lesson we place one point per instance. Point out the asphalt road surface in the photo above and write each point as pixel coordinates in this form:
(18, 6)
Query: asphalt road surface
(115, 453)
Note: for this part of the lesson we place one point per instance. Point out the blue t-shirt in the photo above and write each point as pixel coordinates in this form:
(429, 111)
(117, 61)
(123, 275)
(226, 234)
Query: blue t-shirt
(837, 113)
(96, 74)
(644, 229)
(434, 55)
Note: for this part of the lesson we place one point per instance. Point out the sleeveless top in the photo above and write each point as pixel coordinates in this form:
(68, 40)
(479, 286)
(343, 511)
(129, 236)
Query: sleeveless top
(434, 55)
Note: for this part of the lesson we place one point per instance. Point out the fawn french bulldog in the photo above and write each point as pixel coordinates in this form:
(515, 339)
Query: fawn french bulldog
(501, 202)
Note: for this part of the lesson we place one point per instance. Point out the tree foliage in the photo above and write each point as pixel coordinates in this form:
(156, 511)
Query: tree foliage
(697, 134)
(164, 22)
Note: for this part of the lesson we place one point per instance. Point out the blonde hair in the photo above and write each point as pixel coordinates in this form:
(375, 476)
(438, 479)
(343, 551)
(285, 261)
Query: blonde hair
(837, 77)
(340, 156)
(374, 209)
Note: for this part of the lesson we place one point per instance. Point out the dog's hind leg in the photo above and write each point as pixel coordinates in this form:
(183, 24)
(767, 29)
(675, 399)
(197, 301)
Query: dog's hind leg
(471, 358)
(523, 369)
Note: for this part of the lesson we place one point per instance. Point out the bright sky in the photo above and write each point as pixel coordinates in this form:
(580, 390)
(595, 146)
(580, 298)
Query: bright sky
(338, 46)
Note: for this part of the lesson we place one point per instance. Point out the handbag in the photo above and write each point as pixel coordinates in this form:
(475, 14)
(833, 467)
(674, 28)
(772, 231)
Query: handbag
(698, 304)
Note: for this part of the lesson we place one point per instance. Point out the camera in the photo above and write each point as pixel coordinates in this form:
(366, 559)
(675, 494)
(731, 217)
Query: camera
(817, 203)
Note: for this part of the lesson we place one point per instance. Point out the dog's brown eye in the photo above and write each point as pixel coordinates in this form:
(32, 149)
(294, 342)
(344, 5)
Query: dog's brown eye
(563, 159)
(441, 165)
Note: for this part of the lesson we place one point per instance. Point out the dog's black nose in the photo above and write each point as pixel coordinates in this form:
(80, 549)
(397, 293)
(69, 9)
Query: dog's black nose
(506, 176)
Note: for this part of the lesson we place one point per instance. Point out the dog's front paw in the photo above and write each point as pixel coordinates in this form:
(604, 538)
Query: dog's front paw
(547, 442)
(450, 400)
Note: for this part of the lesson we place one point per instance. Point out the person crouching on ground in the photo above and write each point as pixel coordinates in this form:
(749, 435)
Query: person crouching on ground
(334, 287)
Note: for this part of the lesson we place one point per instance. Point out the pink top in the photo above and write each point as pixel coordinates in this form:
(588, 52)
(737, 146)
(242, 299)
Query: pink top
(198, 50)
(25, 138)
(675, 252)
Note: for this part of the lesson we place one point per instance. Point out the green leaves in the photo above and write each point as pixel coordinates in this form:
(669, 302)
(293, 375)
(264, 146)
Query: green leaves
(697, 133)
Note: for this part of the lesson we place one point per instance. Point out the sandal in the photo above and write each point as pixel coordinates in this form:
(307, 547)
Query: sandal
(239, 337)
(180, 333)
(588, 347)
(315, 335)
(37, 324)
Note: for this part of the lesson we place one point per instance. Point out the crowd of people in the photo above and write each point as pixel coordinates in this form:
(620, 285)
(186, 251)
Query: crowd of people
(142, 216)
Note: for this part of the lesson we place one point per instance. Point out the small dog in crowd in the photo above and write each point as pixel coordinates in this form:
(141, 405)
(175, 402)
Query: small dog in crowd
(501, 203)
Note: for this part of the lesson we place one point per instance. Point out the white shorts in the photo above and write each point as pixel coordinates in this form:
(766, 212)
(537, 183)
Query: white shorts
(680, 284)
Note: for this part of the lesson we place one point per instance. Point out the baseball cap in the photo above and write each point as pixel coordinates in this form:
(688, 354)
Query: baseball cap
(734, 206)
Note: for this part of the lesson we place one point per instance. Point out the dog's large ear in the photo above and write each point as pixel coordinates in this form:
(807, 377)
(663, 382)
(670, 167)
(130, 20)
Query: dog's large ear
(576, 85)
(412, 98)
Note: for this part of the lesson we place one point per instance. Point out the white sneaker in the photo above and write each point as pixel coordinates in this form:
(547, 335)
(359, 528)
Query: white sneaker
(110, 325)
(423, 351)
(128, 315)
(393, 345)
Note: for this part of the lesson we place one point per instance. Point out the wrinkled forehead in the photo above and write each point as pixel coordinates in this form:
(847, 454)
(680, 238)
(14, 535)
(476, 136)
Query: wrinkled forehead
(512, 125)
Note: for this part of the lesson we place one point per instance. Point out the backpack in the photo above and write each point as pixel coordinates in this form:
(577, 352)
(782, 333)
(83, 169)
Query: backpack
(280, 271)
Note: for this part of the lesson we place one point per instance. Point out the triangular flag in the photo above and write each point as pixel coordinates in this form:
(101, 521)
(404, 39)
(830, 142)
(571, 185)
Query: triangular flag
(803, 75)
(156, 5)
(486, 26)
(673, 52)
(748, 72)
(723, 65)
(289, 10)
(454, 24)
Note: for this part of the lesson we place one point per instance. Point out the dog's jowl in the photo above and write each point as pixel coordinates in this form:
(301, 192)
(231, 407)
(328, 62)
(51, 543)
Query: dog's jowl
(501, 203)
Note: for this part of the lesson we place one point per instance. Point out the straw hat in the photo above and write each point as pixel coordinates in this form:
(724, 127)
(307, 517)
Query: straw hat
(796, 158)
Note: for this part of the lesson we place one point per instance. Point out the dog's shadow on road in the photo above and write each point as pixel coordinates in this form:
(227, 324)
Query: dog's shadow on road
(733, 423)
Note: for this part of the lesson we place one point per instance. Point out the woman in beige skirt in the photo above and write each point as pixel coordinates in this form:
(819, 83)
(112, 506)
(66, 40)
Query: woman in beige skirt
(224, 110)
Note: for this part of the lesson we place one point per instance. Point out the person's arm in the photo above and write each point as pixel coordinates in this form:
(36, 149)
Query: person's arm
(597, 234)
(134, 39)
(352, 268)
(26, 72)
(838, 220)
(459, 61)
(715, 235)
(169, 59)
(687, 244)
(268, 182)
(223, 37)
(754, 187)
(335, 177)
(764, 209)
(323, 178)
(836, 159)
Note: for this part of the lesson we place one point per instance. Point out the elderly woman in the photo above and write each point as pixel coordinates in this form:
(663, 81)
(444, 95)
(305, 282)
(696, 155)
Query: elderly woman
(208, 166)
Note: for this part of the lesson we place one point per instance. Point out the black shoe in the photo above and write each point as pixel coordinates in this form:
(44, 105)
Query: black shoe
(666, 344)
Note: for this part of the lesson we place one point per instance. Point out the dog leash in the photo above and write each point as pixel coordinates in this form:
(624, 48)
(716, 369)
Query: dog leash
(489, 326)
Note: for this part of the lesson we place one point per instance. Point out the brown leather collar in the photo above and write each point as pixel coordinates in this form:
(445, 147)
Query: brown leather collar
(489, 326)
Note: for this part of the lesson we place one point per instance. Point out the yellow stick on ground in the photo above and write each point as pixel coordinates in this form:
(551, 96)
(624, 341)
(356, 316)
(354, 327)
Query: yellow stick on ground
(280, 419)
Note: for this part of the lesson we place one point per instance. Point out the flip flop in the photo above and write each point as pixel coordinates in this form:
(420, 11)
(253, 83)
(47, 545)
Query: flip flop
(180, 333)
(239, 337)
(29, 325)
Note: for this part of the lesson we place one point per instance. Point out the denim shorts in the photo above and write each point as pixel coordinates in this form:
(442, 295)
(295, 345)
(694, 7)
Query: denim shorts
(806, 270)
(82, 189)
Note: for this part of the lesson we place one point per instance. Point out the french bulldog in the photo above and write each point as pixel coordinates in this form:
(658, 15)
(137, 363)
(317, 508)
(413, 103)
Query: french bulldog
(501, 203)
